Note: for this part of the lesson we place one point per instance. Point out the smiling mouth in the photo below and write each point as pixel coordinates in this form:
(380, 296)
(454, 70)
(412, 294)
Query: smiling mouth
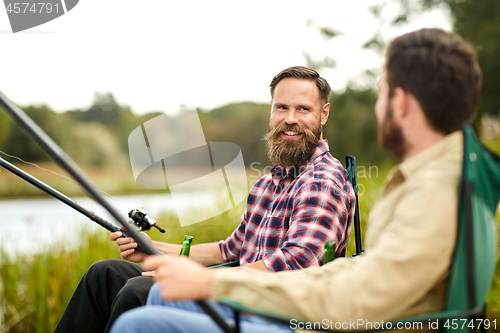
(291, 134)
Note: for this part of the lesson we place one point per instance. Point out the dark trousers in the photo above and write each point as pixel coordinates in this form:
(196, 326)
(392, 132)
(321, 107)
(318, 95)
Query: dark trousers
(108, 288)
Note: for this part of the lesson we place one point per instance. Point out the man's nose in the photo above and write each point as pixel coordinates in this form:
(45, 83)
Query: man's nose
(291, 117)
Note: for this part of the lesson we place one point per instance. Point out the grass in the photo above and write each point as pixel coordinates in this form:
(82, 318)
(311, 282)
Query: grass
(34, 290)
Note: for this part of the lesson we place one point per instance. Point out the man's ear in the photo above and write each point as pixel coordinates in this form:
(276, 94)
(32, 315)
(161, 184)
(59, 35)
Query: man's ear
(400, 103)
(325, 112)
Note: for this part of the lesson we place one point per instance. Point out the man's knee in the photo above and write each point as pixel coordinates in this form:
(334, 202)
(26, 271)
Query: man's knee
(130, 321)
(137, 288)
(111, 268)
(154, 297)
(144, 319)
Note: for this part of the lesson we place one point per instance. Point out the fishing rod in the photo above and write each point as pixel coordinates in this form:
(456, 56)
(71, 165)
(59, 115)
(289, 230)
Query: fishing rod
(60, 157)
(138, 216)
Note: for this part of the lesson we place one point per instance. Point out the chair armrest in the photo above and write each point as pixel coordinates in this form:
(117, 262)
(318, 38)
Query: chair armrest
(235, 263)
(444, 315)
(254, 311)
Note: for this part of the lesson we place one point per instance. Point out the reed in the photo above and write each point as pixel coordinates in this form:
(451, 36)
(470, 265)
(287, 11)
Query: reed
(34, 289)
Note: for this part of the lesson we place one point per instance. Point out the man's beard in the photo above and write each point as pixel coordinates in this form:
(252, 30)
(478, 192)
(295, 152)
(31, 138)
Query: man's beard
(390, 135)
(291, 153)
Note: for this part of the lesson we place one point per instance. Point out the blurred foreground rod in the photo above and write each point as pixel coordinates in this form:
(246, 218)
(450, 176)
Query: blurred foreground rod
(59, 196)
(59, 156)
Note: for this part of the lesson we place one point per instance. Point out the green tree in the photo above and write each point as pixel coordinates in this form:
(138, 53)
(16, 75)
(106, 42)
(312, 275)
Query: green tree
(118, 119)
(5, 126)
(479, 23)
(352, 127)
(57, 126)
(244, 124)
(104, 110)
(326, 61)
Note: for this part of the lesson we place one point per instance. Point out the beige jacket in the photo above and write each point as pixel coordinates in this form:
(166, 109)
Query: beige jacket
(409, 244)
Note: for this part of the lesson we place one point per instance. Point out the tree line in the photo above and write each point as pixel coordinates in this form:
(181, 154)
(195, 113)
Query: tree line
(98, 136)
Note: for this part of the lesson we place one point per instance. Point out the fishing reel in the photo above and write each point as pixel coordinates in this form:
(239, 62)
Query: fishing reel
(139, 218)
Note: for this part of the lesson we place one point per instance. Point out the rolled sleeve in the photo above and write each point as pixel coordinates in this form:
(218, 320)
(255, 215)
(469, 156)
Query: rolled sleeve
(231, 246)
(320, 214)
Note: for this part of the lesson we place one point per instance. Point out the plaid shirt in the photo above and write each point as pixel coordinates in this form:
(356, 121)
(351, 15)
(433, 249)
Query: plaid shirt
(290, 215)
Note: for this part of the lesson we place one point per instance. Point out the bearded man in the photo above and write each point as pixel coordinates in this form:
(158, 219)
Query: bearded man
(305, 201)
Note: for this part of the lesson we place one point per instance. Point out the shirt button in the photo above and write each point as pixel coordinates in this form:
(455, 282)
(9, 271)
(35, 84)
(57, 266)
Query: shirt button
(257, 249)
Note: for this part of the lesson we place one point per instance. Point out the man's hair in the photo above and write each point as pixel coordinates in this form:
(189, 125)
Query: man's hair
(302, 72)
(441, 70)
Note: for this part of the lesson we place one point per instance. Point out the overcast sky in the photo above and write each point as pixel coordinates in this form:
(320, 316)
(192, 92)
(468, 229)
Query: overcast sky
(158, 55)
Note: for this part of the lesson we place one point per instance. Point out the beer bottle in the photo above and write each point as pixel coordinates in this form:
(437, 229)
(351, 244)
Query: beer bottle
(186, 245)
(329, 252)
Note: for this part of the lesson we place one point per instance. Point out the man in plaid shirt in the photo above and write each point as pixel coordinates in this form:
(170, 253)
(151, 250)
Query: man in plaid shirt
(290, 215)
(305, 201)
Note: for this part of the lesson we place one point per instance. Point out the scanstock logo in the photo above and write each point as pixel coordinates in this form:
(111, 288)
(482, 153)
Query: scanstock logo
(205, 179)
(26, 14)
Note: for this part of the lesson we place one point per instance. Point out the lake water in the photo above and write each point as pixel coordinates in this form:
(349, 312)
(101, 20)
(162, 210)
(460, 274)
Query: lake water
(29, 225)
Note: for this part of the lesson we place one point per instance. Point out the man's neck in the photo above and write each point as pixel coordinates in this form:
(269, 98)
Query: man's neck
(417, 143)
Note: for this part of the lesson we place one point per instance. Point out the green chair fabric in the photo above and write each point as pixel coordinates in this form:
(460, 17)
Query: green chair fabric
(475, 254)
(476, 250)
(234, 263)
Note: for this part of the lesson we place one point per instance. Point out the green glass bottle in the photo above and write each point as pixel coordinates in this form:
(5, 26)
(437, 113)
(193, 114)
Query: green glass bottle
(329, 252)
(186, 245)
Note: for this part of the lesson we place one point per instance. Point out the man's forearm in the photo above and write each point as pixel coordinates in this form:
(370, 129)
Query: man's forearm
(260, 265)
(206, 254)
(168, 249)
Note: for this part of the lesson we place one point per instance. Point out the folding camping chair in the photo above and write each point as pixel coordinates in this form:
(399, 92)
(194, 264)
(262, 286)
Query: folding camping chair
(475, 254)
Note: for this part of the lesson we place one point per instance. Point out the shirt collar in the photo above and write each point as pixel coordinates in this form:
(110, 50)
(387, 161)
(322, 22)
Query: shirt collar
(278, 172)
(449, 143)
(404, 170)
